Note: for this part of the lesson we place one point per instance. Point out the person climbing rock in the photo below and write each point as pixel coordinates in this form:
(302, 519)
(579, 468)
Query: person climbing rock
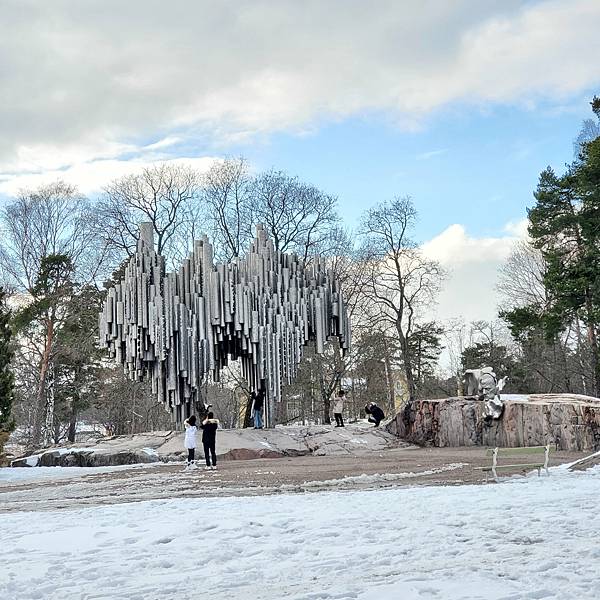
(375, 413)
(209, 440)
(338, 409)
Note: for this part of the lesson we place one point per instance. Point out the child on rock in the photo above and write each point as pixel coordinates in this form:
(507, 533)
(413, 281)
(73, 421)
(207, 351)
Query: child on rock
(209, 438)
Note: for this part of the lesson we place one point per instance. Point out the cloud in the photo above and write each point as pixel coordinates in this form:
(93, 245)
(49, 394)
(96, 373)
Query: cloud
(83, 81)
(92, 177)
(431, 154)
(517, 228)
(472, 264)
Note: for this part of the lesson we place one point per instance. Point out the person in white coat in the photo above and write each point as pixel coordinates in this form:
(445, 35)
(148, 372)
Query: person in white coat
(190, 440)
(338, 409)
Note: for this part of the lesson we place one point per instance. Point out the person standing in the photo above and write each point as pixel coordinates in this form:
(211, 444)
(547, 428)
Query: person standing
(258, 402)
(209, 440)
(190, 441)
(338, 409)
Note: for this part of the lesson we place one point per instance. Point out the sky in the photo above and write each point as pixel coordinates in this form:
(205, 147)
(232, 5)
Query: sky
(459, 104)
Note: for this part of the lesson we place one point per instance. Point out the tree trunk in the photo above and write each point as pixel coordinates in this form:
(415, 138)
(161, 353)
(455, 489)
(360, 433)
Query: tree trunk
(40, 408)
(595, 357)
(389, 382)
(248, 413)
(593, 339)
(582, 367)
(72, 425)
(326, 401)
(410, 381)
(407, 361)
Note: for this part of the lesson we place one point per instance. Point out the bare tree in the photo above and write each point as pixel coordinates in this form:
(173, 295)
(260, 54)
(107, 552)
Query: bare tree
(51, 220)
(341, 256)
(521, 277)
(298, 217)
(401, 281)
(165, 195)
(124, 406)
(226, 195)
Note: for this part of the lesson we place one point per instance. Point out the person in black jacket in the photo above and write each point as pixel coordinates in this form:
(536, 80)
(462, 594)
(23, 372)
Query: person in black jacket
(375, 413)
(258, 400)
(209, 439)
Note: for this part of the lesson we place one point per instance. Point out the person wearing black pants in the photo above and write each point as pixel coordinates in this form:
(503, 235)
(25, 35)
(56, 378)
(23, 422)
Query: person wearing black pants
(375, 413)
(338, 409)
(209, 438)
(190, 440)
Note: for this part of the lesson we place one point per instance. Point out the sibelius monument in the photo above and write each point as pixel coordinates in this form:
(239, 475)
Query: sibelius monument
(179, 329)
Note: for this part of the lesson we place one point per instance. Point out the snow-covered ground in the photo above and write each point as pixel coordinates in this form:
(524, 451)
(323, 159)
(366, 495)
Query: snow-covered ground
(25, 475)
(526, 538)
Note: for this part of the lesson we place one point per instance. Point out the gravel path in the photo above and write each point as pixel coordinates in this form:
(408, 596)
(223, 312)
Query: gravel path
(73, 487)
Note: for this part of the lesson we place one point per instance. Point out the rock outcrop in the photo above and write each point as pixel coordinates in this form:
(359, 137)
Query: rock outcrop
(232, 444)
(569, 421)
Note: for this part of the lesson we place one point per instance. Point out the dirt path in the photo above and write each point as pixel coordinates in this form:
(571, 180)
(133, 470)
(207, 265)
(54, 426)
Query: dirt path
(388, 468)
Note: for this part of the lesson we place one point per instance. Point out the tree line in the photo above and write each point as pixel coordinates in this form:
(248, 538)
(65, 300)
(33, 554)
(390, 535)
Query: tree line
(59, 251)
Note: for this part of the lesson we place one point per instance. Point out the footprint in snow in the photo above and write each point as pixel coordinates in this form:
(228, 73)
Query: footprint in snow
(164, 540)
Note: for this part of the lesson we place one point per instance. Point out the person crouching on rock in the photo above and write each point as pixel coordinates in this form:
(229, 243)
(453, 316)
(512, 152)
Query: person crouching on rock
(190, 441)
(338, 409)
(209, 439)
(375, 413)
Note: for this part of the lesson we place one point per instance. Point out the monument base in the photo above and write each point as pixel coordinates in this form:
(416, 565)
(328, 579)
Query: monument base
(568, 421)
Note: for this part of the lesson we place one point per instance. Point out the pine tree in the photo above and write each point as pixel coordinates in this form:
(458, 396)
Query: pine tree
(565, 227)
(6, 376)
(41, 320)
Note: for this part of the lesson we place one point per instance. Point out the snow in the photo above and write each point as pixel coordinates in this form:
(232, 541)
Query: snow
(33, 460)
(525, 538)
(374, 478)
(24, 474)
(68, 450)
(515, 397)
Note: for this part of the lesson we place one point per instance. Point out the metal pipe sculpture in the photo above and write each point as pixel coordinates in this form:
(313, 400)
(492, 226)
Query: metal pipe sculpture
(179, 329)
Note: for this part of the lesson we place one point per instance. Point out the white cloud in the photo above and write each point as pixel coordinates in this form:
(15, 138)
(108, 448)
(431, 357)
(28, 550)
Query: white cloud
(91, 177)
(517, 228)
(88, 80)
(431, 154)
(472, 263)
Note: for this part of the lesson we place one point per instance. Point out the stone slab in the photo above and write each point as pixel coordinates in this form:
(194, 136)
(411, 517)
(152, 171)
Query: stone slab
(568, 421)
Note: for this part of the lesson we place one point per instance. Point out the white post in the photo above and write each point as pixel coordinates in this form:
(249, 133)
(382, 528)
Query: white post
(495, 462)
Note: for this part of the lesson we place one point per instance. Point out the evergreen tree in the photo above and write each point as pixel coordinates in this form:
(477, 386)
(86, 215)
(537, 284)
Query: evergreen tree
(40, 322)
(77, 361)
(497, 356)
(426, 347)
(565, 226)
(6, 376)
